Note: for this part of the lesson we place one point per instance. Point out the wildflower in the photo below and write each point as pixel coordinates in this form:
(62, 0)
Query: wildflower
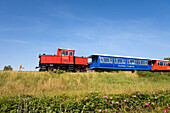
(117, 102)
(87, 98)
(10, 99)
(87, 103)
(127, 107)
(96, 97)
(111, 98)
(84, 100)
(156, 97)
(125, 100)
(162, 95)
(138, 93)
(113, 102)
(91, 91)
(104, 96)
(99, 110)
(61, 103)
(106, 109)
(135, 96)
(165, 110)
(74, 99)
(105, 99)
(143, 93)
(24, 93)
(28, 98)
(147, 104)
(153, 103)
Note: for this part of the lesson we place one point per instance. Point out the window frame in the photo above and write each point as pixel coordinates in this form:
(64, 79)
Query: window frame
(159, 63)
(167, 63)
(130, 63)
(64, 53)
(103, 60)
(71, 53)
(117, 61)
(140, 62)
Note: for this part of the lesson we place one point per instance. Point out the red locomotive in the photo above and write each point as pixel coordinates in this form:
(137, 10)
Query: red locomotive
(64, 60)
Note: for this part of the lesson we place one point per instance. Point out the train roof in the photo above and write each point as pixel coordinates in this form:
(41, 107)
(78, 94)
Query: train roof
(118, 56)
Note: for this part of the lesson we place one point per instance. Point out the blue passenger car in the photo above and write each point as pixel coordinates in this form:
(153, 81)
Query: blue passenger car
(115, 62)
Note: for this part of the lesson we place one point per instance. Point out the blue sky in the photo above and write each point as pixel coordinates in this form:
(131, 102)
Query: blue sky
(119, 27)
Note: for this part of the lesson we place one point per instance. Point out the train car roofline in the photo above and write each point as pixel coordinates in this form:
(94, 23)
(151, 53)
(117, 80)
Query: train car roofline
(118, 56)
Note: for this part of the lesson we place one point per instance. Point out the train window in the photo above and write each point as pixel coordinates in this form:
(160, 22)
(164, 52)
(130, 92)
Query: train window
(115, 60)
(119, 61)
(71, 53)
(168, 64)
(65, 53)
(142, 62)
(111, 60)
(161, 63)
(131, 61)
(106, 60)
(101, 60)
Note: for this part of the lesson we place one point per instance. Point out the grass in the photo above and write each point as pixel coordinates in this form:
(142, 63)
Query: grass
(77, 84)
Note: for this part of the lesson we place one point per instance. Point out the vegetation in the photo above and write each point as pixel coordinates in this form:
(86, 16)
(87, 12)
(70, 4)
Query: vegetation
(49, 84)
(168, 58)
(91, 102)
(8, 68)
(57, 91)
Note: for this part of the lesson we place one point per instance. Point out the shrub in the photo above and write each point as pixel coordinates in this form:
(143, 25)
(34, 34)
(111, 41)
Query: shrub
(57, 71)
(8, 68)
(152, 74)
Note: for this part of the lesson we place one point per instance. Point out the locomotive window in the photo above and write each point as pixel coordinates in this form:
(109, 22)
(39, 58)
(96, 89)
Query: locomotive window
(65, 53)
(71, 53)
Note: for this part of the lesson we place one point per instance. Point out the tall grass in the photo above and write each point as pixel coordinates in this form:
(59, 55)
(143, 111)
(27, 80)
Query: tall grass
(50, 84)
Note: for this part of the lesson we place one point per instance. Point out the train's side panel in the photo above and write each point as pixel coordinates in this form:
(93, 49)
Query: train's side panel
(160, 65)
(50, 59)
(80, 60)
(108, 62)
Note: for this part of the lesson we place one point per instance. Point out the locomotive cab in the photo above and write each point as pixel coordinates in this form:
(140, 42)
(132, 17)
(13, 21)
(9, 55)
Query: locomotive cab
(67, 56)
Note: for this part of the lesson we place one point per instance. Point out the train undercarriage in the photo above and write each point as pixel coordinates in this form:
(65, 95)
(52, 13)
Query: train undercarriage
(65, 67)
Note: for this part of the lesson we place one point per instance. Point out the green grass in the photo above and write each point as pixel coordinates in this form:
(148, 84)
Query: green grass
(50, 84)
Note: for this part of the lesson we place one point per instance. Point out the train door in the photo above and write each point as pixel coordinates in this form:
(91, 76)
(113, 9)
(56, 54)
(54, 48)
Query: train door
(71, 57)
(153, 64)
(95, 60)
(65, 57)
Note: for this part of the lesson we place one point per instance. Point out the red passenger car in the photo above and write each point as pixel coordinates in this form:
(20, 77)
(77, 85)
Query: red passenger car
(160, 65)
(64, 60)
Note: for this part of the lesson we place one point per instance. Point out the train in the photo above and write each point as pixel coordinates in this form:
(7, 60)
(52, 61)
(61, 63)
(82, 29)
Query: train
(66, 60)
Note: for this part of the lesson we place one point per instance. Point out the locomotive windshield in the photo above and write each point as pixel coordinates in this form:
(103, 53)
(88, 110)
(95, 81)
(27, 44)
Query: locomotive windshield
(65, 53)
